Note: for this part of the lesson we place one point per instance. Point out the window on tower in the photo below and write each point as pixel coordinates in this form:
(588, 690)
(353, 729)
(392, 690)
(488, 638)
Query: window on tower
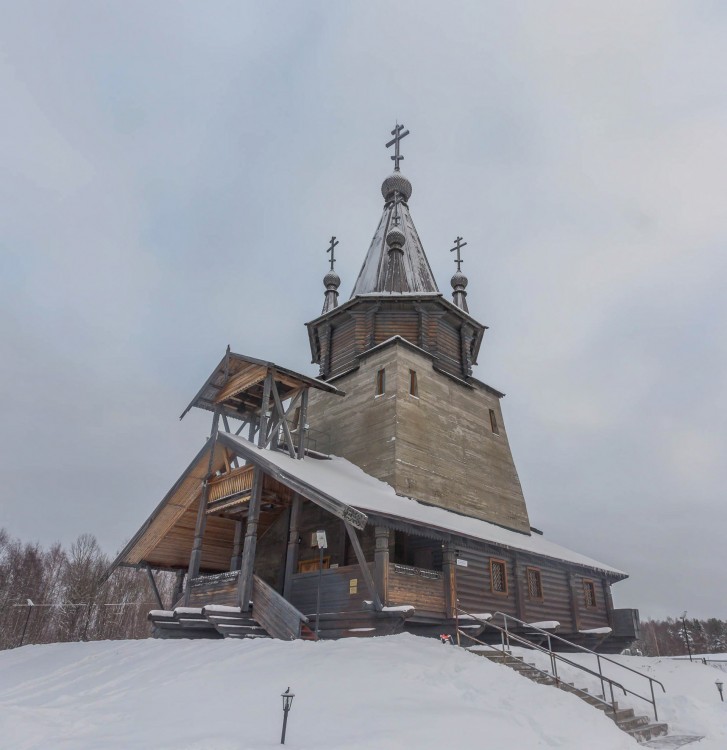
(381, 382)
(493, 422)
(413, 385)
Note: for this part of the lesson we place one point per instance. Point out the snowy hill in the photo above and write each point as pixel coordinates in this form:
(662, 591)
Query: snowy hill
(358, 694)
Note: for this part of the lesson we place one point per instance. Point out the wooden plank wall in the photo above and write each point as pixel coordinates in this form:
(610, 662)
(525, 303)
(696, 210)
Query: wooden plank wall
(217, 590)
(446, 452)
(475, 594)
(336, 592)
(360, 426)
(424, 593)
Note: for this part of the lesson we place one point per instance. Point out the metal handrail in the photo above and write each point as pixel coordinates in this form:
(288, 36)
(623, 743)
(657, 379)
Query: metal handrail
(598, 656)
(505, 635)
(575, 689)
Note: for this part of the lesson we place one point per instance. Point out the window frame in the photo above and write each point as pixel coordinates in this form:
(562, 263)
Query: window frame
(413, 384)
(380, 382)
(589, 585)
(498, 561)
(494, 425)
(537, 572)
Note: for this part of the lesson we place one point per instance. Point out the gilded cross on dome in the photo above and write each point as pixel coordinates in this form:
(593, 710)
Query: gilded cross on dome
(458, 245)
(395, 141)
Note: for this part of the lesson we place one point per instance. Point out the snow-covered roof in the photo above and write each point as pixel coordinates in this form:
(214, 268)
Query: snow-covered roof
(349, 484)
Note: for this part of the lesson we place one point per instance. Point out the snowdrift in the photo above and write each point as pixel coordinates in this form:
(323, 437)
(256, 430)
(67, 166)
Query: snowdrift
(356, 694)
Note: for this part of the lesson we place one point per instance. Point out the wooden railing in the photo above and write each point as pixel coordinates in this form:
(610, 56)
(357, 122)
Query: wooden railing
(275, 614)
(419, 587)
(235, 482)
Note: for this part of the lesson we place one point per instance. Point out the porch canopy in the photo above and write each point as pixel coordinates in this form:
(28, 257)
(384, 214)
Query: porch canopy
(235, 387)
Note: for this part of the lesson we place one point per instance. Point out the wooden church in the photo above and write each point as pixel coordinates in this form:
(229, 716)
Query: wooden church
(380, 496)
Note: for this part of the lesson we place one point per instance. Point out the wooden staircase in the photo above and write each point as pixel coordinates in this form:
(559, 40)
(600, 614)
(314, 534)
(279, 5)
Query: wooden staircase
(639, 727)
(270, 616)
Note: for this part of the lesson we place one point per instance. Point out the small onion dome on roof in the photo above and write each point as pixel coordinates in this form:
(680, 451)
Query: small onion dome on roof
(395, 237)
(459, 280)
(396, 182)
(331, 280)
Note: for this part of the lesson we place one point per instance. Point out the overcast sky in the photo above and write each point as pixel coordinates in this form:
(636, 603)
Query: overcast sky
(170, 176)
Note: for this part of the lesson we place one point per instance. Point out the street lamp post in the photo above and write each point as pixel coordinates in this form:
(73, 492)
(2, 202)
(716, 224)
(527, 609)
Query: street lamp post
(686, 634)
(287, 697)
(720, 685)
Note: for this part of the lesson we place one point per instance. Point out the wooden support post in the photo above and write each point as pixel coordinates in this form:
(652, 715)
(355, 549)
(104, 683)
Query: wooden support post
(178, 592)
(365, 572)
(291, 557)
(302, 417)
(283, 420)
(253, 427)
(573, 595)
(195, 558)
(248, 551)
(263, 429)
(226, 425)
(519, 590)
(608, 598)
(236, 547)
(449, 571)
(154, 588)
(381, 562)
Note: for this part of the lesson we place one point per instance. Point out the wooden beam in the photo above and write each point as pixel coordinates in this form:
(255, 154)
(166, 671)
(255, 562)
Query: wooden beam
(263, 430)
(283, 420)
(573, 596)
(196, 557)
(519, 592)
(291, 557)
(178, 592)
(154, 586)
(381, 562)
(302, 417)
(248, 551)
(449, 571)
(236, 547)
(365, 572)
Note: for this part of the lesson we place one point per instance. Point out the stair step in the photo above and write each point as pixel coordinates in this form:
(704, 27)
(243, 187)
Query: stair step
(647, 732)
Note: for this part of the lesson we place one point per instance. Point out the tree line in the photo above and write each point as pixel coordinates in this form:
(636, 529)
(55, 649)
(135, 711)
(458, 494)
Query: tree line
(69, 600)
(670, 637)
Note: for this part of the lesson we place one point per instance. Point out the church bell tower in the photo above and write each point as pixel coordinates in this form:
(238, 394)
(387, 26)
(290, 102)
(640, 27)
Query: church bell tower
(414, 415)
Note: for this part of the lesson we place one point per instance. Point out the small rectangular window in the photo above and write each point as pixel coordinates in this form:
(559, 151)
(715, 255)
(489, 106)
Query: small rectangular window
(413, 385)
(380, 382)
(589, 594)
(535, 584)
(493, 422)
(498, 576)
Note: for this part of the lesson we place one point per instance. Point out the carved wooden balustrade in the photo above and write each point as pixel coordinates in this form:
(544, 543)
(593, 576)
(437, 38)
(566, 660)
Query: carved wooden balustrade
(230, 486)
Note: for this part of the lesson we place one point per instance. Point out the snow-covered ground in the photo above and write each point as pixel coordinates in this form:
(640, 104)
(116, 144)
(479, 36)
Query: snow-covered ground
(373, 694)
(691, 704)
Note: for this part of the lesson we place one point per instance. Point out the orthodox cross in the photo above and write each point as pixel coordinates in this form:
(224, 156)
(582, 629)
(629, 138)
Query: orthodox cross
(331, 250)
(398, 135)
(458, 246)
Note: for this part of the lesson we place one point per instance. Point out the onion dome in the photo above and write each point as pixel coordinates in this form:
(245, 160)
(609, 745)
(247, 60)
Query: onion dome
(459, 280)
(395, 238)
(331, 280)
(396, 183)
(459, 295)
